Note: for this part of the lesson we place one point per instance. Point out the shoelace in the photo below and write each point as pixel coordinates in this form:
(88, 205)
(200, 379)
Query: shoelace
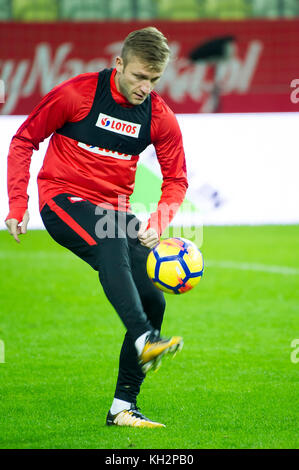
(136, 411)
(154, 336)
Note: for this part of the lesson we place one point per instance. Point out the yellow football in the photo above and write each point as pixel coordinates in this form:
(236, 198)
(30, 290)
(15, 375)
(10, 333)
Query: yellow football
(175, 265)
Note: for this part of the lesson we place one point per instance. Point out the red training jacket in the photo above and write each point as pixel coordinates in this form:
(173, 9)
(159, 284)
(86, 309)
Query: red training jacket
(94, 176)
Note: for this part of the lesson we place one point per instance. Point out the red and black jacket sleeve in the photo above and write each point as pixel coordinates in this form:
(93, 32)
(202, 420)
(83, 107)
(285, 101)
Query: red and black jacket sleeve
(168, 143)
(64, 103)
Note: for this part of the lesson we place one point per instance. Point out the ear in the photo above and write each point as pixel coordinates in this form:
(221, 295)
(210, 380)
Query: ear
(119, 64)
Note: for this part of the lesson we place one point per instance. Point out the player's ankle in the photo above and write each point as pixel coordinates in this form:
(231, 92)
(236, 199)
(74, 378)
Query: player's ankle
(140, 342)
(119, 405)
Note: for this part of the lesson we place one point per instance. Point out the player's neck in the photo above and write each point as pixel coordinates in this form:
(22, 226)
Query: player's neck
(116, 92)
(116, 82)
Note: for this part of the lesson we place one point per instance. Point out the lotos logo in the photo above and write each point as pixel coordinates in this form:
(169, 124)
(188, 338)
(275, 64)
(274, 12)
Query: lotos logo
(105, 122)
(119, 126)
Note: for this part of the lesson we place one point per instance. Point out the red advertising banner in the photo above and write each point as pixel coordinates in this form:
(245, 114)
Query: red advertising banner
(217, 66)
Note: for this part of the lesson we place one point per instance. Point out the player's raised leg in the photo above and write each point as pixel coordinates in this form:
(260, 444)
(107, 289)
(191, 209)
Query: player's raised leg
(131, 375)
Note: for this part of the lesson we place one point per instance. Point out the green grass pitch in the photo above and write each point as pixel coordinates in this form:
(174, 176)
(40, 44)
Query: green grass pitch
(234, 385)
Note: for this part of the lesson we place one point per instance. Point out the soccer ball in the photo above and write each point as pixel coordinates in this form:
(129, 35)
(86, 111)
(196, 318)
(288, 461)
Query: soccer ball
(175, 265)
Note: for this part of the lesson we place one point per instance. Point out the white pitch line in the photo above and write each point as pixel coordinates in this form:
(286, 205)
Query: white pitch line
(48, 255)
(265, 268)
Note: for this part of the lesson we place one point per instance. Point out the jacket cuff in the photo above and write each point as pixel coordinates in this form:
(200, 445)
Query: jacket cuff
(155, 223)
(17, 213)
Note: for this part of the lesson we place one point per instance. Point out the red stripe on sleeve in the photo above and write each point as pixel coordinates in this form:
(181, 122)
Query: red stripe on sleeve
(63, 215)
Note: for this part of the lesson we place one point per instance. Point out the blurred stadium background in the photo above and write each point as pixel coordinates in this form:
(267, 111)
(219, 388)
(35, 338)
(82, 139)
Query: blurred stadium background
(234, 69)
(80, 10)
(233, 83)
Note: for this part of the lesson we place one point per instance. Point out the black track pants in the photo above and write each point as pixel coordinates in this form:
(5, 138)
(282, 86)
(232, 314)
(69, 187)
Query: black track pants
(107, 240)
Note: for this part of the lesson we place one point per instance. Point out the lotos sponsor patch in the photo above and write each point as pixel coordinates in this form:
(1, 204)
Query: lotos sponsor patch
(119, 126)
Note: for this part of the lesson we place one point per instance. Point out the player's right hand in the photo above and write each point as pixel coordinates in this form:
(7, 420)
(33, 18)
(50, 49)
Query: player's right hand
(15, 228)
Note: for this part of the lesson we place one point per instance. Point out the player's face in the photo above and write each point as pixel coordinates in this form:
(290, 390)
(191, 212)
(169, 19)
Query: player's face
(135, 80)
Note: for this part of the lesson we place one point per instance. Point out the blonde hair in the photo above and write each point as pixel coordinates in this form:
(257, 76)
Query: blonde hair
(149, 45)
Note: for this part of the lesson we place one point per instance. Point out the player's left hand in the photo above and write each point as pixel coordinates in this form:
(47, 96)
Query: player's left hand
(148, 237)
(15, 228)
